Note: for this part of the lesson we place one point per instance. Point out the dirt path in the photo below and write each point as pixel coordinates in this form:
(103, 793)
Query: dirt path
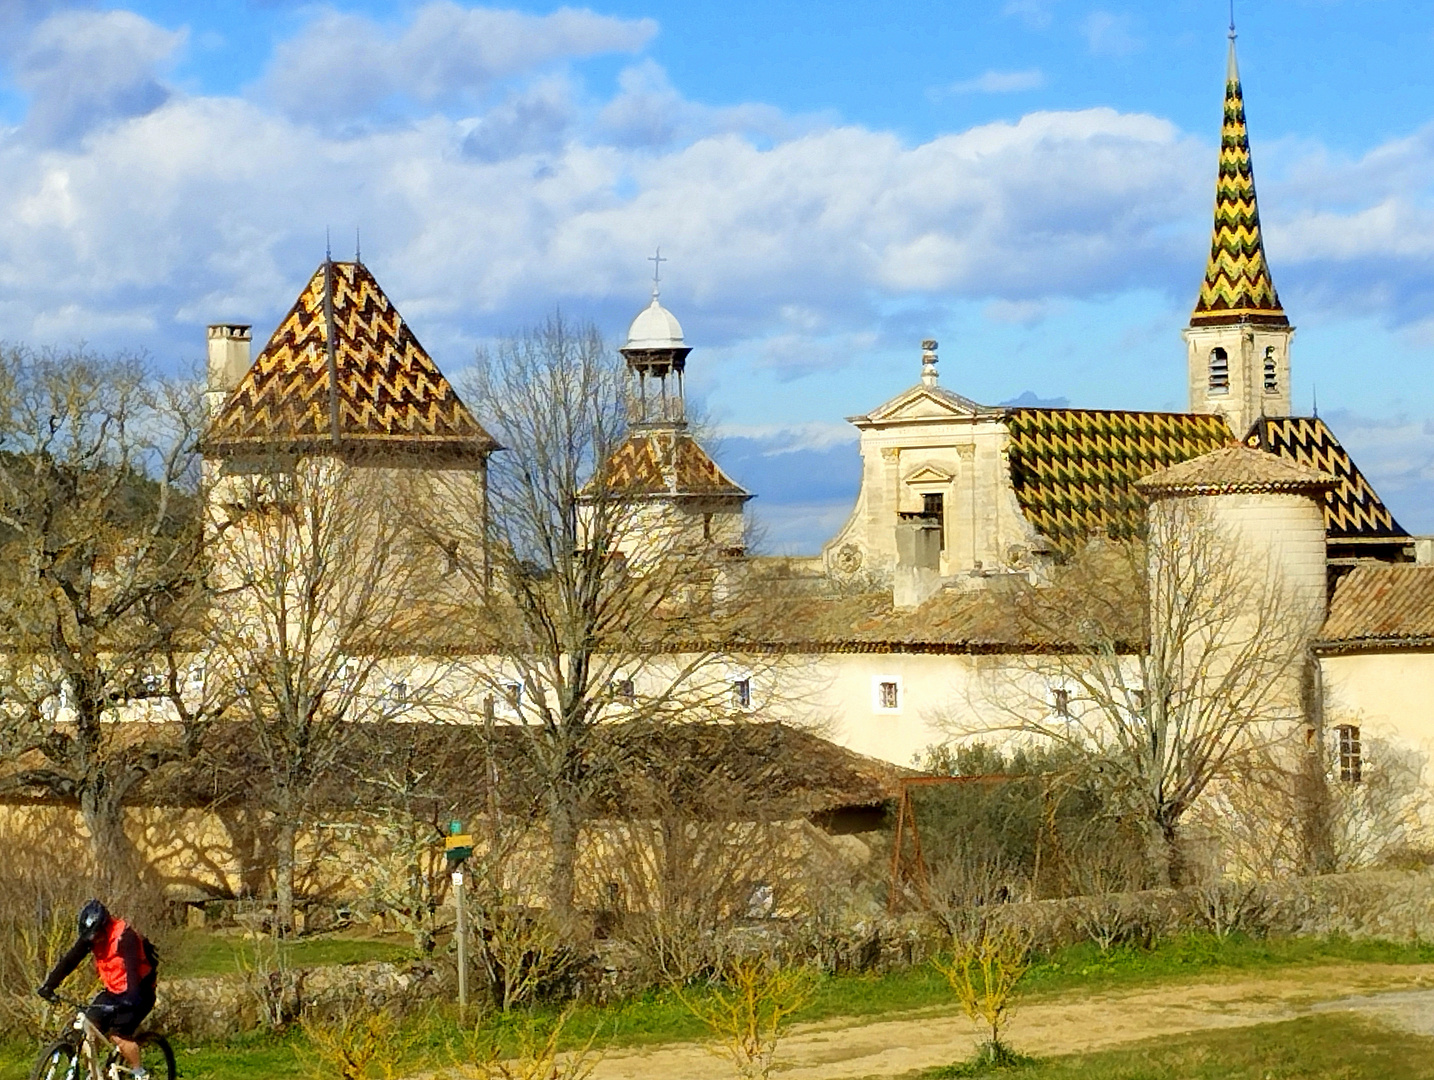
(836, 1049)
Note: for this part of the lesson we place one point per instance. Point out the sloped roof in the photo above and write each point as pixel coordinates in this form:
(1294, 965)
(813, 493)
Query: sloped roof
(743, 770)
(1233, 470)
(668, 462)
(1237, 283)
(1074, 470)
(344, 370)
(1381, 605)
(938, 401)
(1352, 510)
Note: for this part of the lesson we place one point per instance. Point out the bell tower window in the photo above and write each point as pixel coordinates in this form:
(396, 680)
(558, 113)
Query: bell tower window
(933, 508)
(1219, 371)
(1272, 375)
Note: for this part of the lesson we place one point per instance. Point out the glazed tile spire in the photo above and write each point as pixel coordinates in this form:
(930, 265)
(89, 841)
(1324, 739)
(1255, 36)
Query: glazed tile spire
(1237, 284)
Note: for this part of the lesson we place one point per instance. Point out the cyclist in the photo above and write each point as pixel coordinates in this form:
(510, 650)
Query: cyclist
(127, 965)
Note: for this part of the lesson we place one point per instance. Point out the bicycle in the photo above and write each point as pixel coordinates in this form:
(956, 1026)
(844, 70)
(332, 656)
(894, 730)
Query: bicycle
(76, 1055)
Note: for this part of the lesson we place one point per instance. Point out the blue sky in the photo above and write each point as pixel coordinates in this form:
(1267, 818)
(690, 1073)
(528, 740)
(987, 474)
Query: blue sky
(1028, 181)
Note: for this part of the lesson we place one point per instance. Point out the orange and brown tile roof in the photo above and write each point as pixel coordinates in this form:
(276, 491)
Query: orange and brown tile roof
(1352, 509)
(343, 370)
(1074, 470)
(1237, 285)
(668, 462)
(1233, 470)
(1381, 605)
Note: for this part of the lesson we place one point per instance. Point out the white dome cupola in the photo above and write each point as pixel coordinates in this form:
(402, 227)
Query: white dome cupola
(656, 356)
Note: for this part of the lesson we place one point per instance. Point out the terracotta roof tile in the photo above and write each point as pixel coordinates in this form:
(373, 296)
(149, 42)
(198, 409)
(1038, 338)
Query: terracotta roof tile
(1382, 604)
(385, 390)
(1236, 469)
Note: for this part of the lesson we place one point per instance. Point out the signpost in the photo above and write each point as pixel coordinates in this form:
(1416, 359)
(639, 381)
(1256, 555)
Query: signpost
(457, 846)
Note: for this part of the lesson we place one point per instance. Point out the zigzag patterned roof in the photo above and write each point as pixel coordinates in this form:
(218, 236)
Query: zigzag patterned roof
(1074, 469)
(343, 369)
(1237, 282)
(1351, 510)
(666, 462)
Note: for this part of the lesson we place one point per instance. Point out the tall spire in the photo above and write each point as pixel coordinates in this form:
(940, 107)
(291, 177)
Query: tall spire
(1237, 286)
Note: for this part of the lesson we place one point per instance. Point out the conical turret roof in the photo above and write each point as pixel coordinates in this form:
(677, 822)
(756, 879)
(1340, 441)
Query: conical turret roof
(344, 370)
(1237, 285)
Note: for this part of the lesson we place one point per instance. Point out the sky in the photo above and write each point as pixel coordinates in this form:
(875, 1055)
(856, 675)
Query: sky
(1028, 181)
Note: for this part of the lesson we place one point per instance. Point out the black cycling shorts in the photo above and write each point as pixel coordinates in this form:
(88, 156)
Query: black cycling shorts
(121, 1014)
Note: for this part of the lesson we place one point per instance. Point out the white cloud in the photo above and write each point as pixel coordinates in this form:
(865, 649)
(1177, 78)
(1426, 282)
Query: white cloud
(1110, 34)
(778, 439)
(999, 82)
(648, 111)
(342, 66)
(82, 69)
(1036, 14)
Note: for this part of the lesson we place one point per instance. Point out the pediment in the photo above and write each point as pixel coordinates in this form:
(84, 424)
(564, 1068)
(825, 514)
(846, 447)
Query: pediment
(929, 474)
(924, 403)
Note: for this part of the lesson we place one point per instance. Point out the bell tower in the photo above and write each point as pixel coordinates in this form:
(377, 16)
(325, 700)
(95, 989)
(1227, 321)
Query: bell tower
(1238, 340)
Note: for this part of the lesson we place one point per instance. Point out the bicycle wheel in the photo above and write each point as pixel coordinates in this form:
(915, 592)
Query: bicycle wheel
(155, 1055)
(60, 1061)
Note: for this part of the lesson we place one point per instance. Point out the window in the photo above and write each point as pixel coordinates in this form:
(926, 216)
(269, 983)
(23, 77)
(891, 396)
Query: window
(1351, 764)
(513, 695)
(1219, 371)
(624, 689)
(886, 693)
(397, 692)
(742, 693)
(1272, 375)
(1061, 701)
(933, 505)
(707, 527)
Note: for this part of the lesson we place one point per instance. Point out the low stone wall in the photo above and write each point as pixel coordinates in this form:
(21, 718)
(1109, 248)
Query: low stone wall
(215, 1008)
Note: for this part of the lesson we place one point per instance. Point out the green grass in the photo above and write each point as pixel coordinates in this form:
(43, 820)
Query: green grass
(1327, 1047)
(195, 954)
(659, 1017)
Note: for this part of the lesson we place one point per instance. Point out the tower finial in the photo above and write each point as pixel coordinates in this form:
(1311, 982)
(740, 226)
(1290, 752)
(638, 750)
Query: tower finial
(358, 245)
(657, 261)
(328, 245)
(928, 362)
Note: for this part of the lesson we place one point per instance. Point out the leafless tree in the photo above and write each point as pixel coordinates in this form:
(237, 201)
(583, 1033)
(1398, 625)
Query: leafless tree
(312, 572)
(590, 604)
(101, 598)
(1165, 661)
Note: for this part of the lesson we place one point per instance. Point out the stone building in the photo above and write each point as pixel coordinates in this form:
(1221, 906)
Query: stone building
(894, 632)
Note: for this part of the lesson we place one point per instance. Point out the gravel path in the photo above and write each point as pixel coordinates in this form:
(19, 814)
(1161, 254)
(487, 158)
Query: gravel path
(1400, 995)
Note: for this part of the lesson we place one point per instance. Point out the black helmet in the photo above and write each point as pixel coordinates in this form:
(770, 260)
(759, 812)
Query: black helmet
(93, 919)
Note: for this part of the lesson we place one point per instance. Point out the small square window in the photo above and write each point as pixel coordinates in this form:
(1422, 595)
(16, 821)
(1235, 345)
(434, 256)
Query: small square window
(624, 689)
(886, 693)
(397, 692)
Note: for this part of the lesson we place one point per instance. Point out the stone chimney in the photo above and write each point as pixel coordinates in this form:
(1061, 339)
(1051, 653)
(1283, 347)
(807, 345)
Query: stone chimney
(228, 362)
(918, 561)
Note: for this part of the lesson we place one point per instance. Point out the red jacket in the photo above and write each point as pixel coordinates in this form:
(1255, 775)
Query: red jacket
(120, 958)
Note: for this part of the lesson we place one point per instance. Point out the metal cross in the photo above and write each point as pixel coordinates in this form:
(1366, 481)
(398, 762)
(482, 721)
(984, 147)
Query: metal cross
(657, 261)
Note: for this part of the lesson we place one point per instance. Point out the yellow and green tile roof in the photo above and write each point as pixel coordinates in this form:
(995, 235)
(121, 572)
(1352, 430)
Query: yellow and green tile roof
(1074, 470)
(1237, 285)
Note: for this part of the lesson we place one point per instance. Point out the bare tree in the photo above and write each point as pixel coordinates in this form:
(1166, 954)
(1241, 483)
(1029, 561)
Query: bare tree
(592, 603)
(1166, 661)
(100, 591)
(313, 572)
